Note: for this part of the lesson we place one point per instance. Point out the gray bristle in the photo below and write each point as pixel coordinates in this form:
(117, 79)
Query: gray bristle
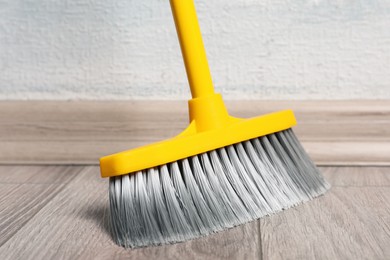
(213, 191)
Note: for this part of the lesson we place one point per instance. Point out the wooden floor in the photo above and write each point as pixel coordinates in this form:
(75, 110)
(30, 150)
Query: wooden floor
(60, 212)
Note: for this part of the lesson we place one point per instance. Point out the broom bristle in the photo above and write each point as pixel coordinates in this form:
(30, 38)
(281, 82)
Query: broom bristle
(213, 191)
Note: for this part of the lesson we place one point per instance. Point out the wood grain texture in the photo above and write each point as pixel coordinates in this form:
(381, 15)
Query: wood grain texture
(79, 132)
(74, 225)
(34, 174)
(350, 222)
(24, 191)
(347, 223)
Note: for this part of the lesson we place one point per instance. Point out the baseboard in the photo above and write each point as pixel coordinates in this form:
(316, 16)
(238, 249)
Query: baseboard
(79, 132)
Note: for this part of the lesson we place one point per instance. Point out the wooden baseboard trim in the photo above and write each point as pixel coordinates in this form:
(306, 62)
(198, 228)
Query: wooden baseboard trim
(79, 132)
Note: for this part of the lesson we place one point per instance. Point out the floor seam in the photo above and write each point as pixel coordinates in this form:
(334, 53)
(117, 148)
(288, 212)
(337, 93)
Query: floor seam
(260, 242)
(51, 197)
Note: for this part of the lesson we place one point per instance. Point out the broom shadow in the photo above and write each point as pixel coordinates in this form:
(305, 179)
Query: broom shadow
(100, 215)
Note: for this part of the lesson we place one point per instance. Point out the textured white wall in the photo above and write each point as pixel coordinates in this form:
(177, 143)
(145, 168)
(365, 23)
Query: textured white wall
(127, 49)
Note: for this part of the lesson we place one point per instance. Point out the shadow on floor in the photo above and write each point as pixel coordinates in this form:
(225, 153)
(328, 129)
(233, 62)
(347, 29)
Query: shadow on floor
(100, 215)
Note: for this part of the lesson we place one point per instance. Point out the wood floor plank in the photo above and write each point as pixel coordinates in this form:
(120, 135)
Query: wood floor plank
(357, 176)
(346, 223)
(79, 132)
(74, 225)
(37, 174)
(350, 222)
(20, 202)
(24, 191)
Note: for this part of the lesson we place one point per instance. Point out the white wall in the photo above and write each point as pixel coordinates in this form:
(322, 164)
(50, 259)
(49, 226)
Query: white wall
(127, 49)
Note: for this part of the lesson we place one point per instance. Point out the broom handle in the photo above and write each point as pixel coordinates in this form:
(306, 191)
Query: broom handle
(192, 48)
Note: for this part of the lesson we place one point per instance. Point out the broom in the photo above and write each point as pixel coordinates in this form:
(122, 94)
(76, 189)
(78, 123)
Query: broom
(220, 172)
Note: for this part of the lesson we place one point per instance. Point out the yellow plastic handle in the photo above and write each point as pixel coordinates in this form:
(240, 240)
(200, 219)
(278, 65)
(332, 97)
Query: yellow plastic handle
(211, 127)
(192, 48)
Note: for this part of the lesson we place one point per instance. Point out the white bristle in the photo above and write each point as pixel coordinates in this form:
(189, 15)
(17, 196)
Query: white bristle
(213, 191)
